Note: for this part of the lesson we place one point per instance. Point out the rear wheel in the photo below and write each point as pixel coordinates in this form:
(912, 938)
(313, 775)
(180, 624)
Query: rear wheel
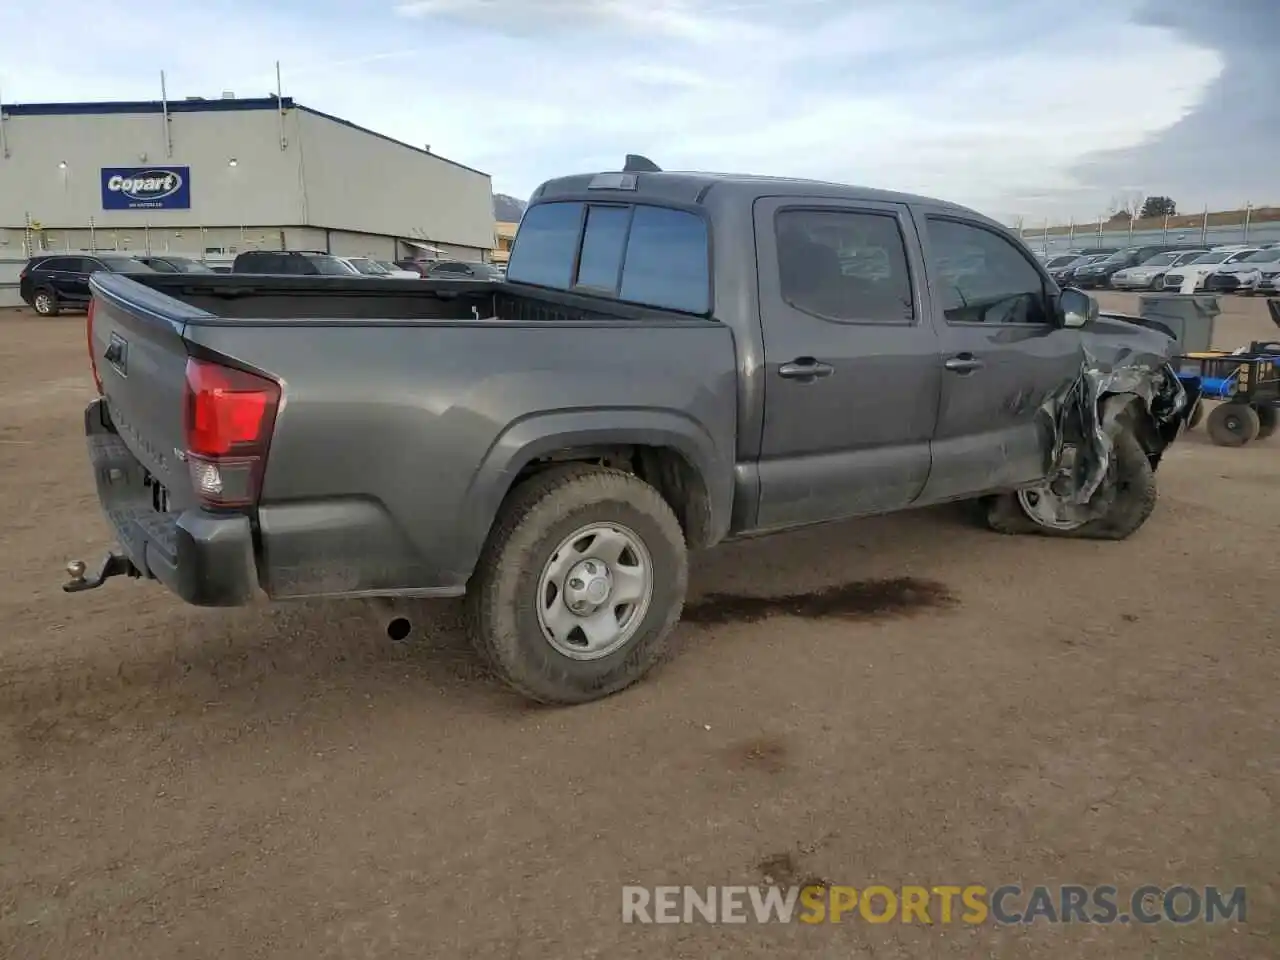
(1118, 509)
(45, 302)
(1233, 425)
(580, 584)
(1267, 418)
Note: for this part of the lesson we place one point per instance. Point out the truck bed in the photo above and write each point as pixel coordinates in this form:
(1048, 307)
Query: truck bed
(228, 297)
(407, 410)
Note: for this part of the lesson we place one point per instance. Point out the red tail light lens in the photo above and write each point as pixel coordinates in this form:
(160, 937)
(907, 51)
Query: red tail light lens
(88, 330)
(229, 417)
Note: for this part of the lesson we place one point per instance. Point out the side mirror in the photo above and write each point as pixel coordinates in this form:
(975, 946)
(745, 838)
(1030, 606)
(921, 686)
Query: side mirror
(1077, 308)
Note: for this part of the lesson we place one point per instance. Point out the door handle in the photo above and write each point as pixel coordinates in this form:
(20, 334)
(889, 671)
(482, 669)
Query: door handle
(805, 369)
(963, 363)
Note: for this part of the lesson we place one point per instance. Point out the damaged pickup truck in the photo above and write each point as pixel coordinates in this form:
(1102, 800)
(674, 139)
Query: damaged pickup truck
(675, 360)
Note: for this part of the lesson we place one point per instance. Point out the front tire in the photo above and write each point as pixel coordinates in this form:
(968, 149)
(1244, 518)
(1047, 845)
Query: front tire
(45, 302)
(1130, 486)
(580, 584)
(1233, 424)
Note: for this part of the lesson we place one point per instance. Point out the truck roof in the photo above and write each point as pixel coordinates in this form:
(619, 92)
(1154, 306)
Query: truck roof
(690, 187)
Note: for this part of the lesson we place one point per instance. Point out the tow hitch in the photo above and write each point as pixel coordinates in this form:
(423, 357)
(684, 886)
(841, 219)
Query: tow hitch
(112, 565)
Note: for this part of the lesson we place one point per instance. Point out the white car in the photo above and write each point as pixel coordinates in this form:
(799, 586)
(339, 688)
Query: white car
(1255, 272)
(1149, 275)
(368, 267)
(1192, 276)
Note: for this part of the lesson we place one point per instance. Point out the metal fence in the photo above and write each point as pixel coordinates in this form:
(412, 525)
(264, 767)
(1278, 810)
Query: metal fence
(1209, 231)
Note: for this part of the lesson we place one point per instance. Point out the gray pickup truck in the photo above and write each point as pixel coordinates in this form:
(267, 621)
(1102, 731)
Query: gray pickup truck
(673, 361)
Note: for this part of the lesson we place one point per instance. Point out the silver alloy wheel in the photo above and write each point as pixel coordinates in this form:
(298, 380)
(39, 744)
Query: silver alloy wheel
(595, 590)
(43, 303)
(1049, 504)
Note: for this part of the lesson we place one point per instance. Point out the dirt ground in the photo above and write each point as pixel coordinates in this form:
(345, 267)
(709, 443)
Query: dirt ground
(286, 782)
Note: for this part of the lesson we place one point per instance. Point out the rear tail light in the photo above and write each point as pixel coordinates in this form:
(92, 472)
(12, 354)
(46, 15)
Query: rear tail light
(229, 415)
(88, 331)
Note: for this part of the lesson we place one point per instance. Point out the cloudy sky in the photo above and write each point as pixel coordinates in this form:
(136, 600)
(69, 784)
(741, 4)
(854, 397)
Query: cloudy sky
(1018, 107)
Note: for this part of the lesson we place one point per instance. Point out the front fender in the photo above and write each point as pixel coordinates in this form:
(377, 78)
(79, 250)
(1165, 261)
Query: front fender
(542, 434)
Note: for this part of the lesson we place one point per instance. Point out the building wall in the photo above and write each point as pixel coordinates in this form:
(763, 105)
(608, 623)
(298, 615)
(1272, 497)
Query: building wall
(331, 175)
(264, 187)
(367, 183)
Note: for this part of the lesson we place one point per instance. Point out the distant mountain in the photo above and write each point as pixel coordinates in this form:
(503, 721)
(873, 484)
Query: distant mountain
(507, 209)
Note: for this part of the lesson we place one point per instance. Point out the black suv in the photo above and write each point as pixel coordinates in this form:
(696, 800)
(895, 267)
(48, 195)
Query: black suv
(304, 263)
(50, 283)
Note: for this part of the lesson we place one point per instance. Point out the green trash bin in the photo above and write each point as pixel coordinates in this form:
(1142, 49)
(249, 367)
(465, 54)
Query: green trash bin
(1191, 317)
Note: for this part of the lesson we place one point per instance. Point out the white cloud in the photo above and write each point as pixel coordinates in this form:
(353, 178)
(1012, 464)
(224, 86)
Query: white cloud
(985, 102)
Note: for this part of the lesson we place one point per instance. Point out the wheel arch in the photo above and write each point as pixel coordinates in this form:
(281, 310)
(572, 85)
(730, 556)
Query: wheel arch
(667, 449)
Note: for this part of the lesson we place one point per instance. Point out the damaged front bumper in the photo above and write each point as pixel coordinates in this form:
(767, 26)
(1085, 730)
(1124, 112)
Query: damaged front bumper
(1126, 368)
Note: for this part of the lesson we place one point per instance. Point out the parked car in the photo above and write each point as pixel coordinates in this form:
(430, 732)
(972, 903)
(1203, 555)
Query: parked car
(1203, 265)
(169, 263)
(417, 266)
(1065, 276)
(398, 273)
(1149, 275)
(51, 283)
(658, 375)
(310, 263)
(1246, 275)
(1099, 274)
(463, 270)
(369, 267)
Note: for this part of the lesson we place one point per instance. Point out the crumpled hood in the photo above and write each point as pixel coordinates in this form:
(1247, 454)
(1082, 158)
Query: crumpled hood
(1120, 354)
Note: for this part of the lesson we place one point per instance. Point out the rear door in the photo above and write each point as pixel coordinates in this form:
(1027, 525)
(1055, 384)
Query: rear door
(62, 274)
(853, 372)
(1004, 354)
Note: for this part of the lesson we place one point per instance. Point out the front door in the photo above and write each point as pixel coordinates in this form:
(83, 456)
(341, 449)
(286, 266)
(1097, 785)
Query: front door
(853, 371)
(1004, 355)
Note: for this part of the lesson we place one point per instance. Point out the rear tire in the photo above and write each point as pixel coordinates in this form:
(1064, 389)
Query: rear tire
(564, 520)
(1130, 481)
(1233, 425)
(45, 302)
(1267, 419)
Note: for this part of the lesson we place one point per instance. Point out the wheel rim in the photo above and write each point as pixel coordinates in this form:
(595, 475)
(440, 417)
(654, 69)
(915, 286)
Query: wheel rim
(1049, 504)
(594, 591)
(43, 303)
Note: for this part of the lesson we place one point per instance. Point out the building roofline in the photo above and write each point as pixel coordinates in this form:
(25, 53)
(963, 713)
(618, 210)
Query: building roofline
(94, 108)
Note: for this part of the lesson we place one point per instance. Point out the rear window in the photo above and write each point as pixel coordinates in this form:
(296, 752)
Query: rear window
(654, 256)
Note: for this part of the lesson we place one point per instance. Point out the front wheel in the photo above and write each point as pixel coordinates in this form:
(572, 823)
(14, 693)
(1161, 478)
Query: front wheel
(1233, 424)
(1119, 508)
(45, 302)
(580, 584)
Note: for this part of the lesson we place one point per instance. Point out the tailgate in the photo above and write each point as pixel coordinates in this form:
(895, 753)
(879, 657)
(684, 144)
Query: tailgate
(135, 338)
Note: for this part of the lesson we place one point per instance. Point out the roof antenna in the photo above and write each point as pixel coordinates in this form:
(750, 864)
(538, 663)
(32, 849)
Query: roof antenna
(638, 164)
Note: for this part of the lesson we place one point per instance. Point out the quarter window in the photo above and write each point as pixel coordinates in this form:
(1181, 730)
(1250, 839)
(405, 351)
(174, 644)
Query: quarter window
(982, 277)
(844, 265)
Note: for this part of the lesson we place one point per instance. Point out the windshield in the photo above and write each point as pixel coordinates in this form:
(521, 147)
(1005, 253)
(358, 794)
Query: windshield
(123, 264)
(1211, 258)
(1062, 261)
(1262, 256)
(332, 267)
(1124, 256)
(387, 266)
(188, 266)
(369, 268)
(1161, 260)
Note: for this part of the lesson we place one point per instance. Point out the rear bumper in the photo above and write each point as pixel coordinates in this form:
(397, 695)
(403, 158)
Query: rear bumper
(204, 558)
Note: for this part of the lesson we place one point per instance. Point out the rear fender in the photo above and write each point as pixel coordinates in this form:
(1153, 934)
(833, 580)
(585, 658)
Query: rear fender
(542, 435)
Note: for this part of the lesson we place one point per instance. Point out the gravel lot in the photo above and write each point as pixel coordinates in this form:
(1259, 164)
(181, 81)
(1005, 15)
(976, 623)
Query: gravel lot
(286, 782)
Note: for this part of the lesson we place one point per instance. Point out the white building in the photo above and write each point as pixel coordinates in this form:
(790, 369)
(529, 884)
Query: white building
(220, 176)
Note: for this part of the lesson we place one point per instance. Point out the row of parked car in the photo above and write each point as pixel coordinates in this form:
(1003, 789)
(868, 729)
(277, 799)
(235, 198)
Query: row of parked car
(50, 282)
(1238, 268)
